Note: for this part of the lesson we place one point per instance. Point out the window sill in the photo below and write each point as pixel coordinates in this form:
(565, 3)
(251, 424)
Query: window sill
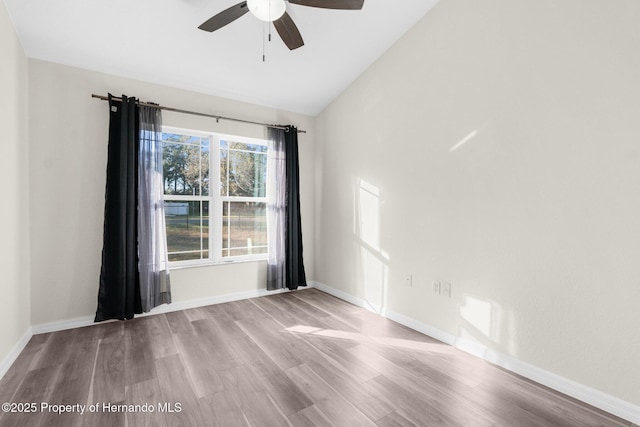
(214, 263)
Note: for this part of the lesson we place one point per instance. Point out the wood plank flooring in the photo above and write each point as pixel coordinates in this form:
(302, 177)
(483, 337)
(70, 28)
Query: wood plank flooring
(297, 359)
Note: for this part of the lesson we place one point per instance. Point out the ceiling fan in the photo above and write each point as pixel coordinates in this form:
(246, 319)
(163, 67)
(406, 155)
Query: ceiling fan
(276, 11)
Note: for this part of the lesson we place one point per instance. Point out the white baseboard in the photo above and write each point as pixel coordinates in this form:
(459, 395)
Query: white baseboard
(591, 396)
(6, 363)
(80, 322)
(62, 325)
(338, 294)
(202, 302)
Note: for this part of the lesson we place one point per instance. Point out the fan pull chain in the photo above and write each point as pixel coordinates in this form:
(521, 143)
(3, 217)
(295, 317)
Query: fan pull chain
(269, 23)
(264, 56)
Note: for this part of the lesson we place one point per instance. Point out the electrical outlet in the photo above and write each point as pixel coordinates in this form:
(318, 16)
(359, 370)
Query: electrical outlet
(408, 280)
(446, 289)
(436, 287)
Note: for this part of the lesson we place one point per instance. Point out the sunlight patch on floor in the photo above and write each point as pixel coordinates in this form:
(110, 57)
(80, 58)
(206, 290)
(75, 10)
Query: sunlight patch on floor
(364, 339)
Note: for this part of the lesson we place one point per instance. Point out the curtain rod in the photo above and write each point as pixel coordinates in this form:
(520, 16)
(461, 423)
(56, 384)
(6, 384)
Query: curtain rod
(195, 113)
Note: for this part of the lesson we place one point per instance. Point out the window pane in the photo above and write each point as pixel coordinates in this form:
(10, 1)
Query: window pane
(242, 146)
(224, 180)
(187, 230)
(183, 139)
(247, 174)
(253, 251)
(243, 169)
(204, 167)
(185, 165)
(244, 228)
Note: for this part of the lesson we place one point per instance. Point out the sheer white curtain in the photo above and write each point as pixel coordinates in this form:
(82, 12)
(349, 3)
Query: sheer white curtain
(276, 210)
(155, 285)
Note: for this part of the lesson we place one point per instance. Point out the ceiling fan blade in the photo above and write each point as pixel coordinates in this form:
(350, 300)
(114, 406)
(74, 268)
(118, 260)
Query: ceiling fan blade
(331, 4)
(289, 32)
(225, 17)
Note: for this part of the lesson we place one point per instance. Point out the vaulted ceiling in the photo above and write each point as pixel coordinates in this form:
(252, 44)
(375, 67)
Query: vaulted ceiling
(158, 41)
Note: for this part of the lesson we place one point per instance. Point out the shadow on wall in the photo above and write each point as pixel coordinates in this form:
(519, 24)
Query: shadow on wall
(373, 262)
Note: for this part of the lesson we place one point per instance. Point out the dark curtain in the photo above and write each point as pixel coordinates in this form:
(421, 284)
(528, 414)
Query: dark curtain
(119, 294)
(295, 275)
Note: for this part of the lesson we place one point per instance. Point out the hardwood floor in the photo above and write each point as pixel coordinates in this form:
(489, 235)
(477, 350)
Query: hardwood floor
(303, 359)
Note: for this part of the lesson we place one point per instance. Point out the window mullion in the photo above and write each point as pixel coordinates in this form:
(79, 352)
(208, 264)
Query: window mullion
(215, 210)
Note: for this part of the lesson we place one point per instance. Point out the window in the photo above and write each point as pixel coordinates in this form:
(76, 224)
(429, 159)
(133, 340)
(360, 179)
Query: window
(215, 197)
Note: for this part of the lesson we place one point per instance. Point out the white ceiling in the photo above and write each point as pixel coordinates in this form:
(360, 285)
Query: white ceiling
(158, 41)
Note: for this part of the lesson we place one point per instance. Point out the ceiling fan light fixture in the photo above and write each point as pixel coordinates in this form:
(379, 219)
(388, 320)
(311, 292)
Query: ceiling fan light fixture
(267, 10)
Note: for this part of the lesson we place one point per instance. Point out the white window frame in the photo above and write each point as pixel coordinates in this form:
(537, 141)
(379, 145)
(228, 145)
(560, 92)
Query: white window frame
(216, 201)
